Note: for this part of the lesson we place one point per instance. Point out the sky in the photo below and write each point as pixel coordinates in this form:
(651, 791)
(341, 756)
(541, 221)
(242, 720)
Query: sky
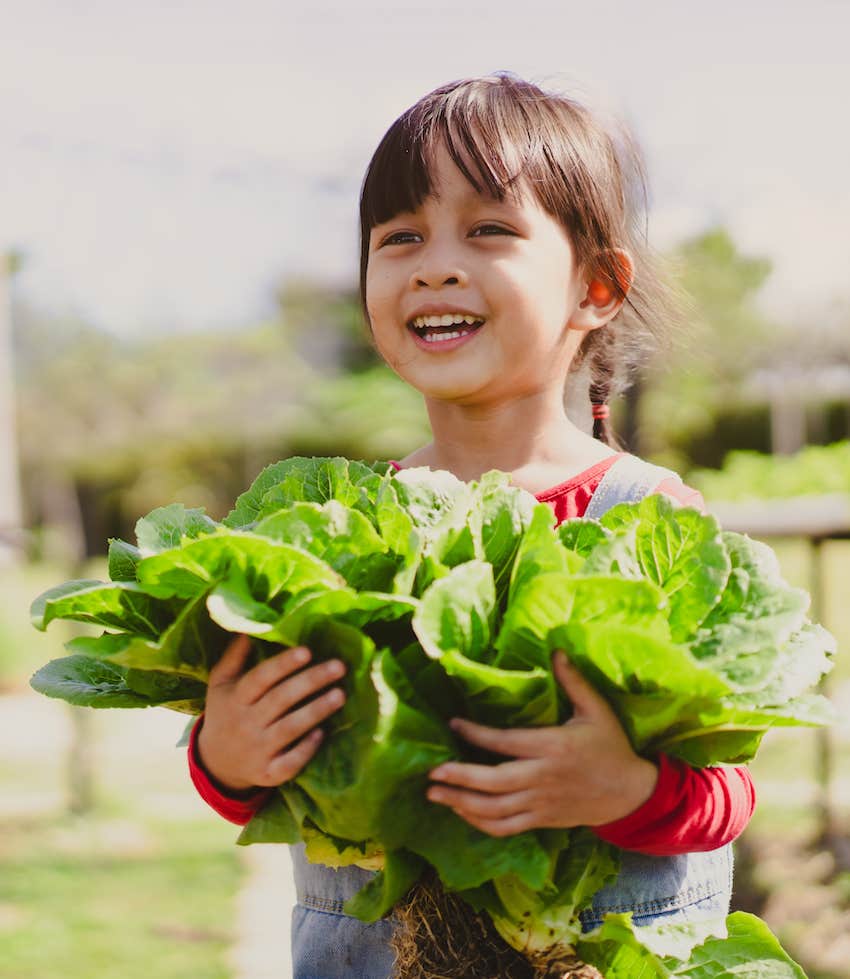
(167, 166)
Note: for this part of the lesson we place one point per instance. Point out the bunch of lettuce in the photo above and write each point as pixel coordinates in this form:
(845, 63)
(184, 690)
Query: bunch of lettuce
(446, 599)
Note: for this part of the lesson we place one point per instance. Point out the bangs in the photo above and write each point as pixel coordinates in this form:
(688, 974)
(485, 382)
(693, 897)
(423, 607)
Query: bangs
(459, 117)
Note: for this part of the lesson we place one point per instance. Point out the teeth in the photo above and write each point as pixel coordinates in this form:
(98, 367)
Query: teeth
(448, 319)
(439, 337)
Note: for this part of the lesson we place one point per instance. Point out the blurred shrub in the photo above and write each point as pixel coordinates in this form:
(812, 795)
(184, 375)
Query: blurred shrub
(816, 469)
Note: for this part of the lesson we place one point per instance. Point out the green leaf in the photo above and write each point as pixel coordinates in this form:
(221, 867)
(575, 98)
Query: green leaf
(499, 518)
(86, 682)
(332, 851)
(344, 539)
(297, 480)
(359, 609)
(190, 646)
(681, 550)
(539, 552)
(272, 567)
(757, 611)
(401, 871)
(582, 536)
(534, 919)
(168, 526)
(748, 951)
(123, 559)
(457, 612)
(370, 783)
(274, 823)
(428, 495)
(115, 604)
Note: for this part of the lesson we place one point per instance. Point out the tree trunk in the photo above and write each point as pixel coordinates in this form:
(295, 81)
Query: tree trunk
(66, 545)
(11, 514)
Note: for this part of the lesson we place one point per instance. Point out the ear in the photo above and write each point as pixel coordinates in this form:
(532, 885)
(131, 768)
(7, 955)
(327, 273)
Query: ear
(602, 299)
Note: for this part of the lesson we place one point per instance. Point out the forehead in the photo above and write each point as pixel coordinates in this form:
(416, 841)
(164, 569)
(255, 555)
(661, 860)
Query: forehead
(460, 182)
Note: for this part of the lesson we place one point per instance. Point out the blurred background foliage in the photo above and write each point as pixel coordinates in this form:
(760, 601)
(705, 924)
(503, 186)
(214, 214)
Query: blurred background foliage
(109, 428)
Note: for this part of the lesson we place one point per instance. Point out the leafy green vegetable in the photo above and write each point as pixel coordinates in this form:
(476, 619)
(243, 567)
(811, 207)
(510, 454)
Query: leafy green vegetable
(747, 951)
(445, 598)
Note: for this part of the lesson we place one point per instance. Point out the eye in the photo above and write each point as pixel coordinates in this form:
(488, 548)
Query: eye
(399, 238)
(489, 229)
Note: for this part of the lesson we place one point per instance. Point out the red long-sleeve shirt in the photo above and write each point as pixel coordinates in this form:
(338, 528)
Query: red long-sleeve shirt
(689, 810)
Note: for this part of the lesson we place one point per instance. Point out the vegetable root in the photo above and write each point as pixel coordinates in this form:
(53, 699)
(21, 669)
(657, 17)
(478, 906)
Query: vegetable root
(439, 936)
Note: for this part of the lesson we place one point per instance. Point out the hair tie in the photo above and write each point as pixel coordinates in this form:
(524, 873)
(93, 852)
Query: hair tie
(600, 410)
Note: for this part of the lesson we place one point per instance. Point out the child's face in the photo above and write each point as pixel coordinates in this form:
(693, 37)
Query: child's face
(509, 264)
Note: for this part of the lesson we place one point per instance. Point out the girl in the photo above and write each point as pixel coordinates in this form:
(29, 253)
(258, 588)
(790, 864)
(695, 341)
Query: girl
(501, 255)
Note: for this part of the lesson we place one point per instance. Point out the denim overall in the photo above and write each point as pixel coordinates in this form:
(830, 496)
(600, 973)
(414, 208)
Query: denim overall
(328, 944)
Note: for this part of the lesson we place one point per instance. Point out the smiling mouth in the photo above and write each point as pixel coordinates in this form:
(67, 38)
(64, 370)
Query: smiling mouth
(451, 326)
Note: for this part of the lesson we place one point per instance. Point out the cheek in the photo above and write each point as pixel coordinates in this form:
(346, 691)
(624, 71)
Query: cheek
(378, 296)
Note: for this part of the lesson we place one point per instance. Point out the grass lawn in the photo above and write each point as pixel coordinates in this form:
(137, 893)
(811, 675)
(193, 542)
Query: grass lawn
(110, 896)
(144, 887)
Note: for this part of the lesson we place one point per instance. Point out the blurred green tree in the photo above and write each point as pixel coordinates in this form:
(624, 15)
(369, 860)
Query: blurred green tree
(702, 375)
(111, 428)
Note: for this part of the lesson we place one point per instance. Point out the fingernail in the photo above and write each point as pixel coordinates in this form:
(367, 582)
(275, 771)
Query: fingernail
(455, 723)
(437, 773)
(302, 655)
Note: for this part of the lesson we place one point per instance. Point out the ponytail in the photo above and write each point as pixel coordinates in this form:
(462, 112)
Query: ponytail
(602, 371)
(601, 412)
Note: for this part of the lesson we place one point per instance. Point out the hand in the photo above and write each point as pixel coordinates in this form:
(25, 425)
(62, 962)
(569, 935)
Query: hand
(580, 773)
(259, 729)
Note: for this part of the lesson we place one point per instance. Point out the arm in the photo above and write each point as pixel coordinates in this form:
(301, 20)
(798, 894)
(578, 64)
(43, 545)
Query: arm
(691, 809)
(235, 807)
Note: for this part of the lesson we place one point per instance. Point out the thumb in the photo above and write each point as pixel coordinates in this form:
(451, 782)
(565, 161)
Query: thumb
(585, 699)
(232, 661)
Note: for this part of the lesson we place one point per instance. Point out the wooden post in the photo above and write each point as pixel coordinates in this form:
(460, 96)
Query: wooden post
(11, 516)
(824, 760)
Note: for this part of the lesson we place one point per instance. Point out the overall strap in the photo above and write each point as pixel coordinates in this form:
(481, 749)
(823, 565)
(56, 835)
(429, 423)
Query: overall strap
(628, 480)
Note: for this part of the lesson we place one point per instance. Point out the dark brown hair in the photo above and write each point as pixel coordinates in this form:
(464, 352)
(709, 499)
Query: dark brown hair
(588, 178)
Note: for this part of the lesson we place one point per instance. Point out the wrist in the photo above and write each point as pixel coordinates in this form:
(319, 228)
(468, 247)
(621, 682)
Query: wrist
(235, 788)
(639, 788)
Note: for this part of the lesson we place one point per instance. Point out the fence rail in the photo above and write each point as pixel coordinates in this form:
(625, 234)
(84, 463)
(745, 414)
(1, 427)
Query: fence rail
(816, 519)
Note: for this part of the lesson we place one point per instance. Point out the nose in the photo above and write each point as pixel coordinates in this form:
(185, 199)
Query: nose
(439, 265)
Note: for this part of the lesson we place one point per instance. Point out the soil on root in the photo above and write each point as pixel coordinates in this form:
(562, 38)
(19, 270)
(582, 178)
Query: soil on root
(439, 936)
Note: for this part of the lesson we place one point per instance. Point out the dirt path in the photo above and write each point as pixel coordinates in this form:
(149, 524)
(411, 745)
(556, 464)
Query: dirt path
(263, 912)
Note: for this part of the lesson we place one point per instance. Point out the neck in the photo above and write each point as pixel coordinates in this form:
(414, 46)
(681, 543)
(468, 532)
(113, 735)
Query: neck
(526, 437)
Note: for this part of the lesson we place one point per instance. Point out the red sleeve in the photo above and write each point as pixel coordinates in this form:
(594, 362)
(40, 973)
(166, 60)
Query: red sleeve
(235, 810)
(691, 810)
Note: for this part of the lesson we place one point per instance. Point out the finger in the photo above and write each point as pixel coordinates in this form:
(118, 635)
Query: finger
(509, 776)
(288, 764)
(586, 701)
(482, 806)
(507, 826)
(232, 661)
(297, 723)
(258, 681)
(292, 690)
(530, 742)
